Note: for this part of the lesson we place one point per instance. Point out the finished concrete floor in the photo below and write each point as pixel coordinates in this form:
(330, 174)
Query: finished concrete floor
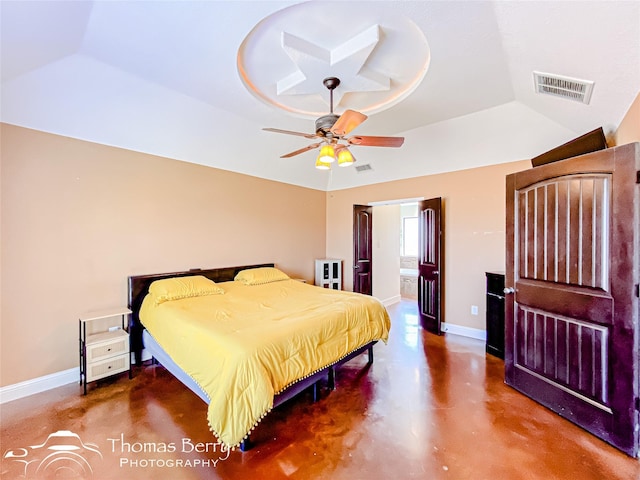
(428, 408)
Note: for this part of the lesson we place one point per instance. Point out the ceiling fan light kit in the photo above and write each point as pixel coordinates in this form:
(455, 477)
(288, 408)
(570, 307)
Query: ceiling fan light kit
(332, 129)
(345, 158)
(327, 154)
(322, 165)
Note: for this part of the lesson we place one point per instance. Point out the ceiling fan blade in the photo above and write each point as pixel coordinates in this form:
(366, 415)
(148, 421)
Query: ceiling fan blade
(302, 150)
(371, 141)
(289, 132)
(349, 120)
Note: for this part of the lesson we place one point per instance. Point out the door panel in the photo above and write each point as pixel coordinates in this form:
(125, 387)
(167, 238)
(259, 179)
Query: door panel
(565, 351)
(430, 264)
(563, 237)
(362, 242)
(572, 311)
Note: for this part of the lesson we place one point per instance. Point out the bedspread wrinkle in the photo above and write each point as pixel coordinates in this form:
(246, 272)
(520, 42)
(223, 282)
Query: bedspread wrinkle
(250, 343)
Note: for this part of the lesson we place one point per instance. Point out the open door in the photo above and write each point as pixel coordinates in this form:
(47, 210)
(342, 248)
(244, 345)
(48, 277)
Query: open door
(571, 306)
(430, 264)
(362, 242)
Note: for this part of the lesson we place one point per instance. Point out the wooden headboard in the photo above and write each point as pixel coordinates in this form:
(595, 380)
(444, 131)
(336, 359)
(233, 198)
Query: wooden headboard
(139, 287)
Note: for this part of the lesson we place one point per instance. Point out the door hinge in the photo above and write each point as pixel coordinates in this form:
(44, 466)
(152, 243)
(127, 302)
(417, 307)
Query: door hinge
(637, 290)
(638, 176)
(638, 403)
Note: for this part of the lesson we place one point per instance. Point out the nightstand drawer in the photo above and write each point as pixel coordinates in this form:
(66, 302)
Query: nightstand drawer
(108, 367)
(110, 347)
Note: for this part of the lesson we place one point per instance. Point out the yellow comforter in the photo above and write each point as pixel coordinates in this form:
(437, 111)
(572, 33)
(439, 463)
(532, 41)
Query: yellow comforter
(252, 342)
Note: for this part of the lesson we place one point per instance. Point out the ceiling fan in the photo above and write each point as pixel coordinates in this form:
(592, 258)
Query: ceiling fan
(332, 131)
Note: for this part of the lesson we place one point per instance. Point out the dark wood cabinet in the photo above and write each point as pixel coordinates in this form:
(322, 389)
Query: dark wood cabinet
(495, 313)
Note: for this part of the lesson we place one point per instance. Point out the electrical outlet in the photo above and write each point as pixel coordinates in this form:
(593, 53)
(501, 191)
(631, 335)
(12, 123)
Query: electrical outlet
(474, 309)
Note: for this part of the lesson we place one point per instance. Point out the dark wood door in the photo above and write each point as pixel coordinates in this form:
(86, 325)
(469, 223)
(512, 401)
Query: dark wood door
(572, 308)
(430, 264)
(362, 231)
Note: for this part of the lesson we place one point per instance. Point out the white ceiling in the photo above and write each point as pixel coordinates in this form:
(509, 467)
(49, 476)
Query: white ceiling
(454, 78)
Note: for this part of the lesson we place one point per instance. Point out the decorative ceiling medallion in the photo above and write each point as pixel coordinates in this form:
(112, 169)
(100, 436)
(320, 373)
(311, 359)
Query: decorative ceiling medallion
(379, 56)
(348, 60)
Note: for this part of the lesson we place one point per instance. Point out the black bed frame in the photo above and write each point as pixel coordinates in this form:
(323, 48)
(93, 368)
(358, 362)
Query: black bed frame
(139, 287)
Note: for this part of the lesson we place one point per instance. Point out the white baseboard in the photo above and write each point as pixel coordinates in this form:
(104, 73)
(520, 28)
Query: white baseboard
(454, 329)
(37, 385)
(54, 380)
(47, 382)
(390, 301)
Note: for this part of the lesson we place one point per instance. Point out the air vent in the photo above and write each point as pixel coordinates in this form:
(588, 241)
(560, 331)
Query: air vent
(363, 168)
(565, 87)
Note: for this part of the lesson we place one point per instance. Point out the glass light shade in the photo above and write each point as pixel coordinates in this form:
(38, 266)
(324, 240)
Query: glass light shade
(327, 154)
(344, 157)
(320, 165)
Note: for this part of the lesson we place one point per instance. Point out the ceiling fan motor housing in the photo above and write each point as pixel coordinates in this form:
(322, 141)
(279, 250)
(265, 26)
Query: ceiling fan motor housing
(329, 135)
(324, 123)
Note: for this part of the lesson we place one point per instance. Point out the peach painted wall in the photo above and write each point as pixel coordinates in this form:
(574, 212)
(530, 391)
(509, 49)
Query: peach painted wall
(629, 129)
(78, 218)
(474, 214)
(385, 239)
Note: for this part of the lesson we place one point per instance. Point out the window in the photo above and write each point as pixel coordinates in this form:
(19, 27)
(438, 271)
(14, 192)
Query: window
(409, 237)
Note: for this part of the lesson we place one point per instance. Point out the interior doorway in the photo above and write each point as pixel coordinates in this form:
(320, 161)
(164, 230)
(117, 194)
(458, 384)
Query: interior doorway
(409, 241)
(394, 250)
(405, 255)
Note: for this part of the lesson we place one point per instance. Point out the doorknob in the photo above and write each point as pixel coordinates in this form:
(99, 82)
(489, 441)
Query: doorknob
(356, 266)
(509, 290)
(436, 272)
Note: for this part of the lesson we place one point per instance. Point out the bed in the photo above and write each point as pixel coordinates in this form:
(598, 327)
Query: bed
(246, 339)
